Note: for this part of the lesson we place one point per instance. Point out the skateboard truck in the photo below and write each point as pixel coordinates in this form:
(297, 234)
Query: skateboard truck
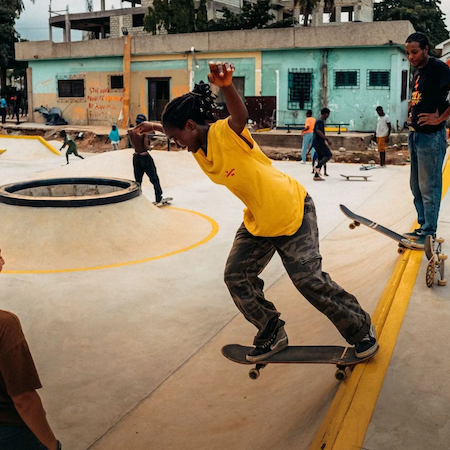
(436, 261)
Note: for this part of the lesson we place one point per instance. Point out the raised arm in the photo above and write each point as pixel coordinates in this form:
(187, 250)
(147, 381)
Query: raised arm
(138, 135)
(221, 74)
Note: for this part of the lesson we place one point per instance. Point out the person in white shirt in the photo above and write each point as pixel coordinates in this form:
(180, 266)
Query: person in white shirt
(382, 133)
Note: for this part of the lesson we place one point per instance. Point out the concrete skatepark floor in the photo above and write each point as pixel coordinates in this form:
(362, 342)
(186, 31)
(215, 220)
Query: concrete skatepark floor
(129, 356)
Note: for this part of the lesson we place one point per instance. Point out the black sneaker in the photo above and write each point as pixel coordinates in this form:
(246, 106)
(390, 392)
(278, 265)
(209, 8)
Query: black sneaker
(418, 243)
(368, 346)
(413, 235)
(277, 342)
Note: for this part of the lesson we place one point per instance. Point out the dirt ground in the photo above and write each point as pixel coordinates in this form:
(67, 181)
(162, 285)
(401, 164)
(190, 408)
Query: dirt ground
(396, 154)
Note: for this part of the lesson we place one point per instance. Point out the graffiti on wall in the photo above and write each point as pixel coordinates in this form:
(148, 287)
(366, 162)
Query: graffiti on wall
(103, 104)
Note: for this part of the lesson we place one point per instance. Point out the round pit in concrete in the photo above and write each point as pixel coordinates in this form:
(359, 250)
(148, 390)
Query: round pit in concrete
(69, 192)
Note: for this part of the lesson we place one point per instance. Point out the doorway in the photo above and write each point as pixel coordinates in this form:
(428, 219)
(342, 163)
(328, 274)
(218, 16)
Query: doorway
(158, 97)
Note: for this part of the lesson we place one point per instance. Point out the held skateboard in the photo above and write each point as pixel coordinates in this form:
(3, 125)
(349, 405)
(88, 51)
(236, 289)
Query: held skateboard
(342, 357)
(163, 202)
(436, 261)
(357, 177)
(403, 243)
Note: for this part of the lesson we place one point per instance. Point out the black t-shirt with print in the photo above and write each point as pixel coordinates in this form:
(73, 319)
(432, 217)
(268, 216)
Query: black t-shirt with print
(430, 88)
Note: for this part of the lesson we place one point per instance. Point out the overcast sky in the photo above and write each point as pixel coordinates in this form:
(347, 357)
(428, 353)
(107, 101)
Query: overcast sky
(33, 22)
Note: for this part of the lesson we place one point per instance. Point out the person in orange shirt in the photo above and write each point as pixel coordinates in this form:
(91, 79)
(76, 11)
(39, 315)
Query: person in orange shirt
(308, 134)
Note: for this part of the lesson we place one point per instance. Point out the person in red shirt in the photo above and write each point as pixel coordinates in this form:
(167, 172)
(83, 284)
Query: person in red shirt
(23, 423)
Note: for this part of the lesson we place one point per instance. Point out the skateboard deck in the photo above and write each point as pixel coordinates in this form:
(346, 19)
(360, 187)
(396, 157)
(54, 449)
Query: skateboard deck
(368, 167)
(163, 202)
(436, 261)
(357, 177)
(342, 357)
(402, 242)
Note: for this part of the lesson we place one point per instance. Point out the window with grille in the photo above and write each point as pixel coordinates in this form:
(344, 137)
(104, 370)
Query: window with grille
(378, 79)
(71, 88)
(116, 82)
(346, 79)
(300, 89)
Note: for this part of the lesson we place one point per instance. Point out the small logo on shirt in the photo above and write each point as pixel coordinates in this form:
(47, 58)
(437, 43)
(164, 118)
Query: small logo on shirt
(230, 173)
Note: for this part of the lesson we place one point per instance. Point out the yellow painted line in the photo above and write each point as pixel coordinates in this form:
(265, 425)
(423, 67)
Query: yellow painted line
(36, 138)
(349, 415)
(214, 231)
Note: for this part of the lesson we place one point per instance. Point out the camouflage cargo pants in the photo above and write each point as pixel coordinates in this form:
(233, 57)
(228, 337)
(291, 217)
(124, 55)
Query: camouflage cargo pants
(301, 258)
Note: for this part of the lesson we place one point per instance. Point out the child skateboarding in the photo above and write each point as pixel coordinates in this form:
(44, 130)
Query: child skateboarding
(71, 146)
(279, 217)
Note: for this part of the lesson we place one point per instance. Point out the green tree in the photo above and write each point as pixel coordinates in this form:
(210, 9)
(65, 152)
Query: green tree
(253, 15)
(174, 16)
(9, 12)
(201, 17)
(425, 15)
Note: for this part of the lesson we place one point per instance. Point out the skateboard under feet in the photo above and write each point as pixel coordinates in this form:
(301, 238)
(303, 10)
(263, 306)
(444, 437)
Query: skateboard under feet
(436, 261)
(343, 357)
(163, 202)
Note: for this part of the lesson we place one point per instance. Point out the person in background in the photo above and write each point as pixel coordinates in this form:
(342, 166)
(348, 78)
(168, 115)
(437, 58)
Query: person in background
(71, 146)
(382, 133)
(320, 142)
(3, 108)
(23, 422)
(308, 134)
(428, 111)
(142, 161)
(114, 137)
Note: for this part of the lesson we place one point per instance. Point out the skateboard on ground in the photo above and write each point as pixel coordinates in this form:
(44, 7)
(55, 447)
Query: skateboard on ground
(357, 177)
(368, 167)
(343, 357)
(403, 243)
(436, 261)
(163, 202)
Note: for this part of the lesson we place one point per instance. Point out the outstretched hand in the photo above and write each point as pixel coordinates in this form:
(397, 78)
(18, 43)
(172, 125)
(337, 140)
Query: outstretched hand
(221, 73)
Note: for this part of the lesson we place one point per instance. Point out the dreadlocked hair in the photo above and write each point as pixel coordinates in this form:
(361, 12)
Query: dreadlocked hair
(420, 38)
(197, 105)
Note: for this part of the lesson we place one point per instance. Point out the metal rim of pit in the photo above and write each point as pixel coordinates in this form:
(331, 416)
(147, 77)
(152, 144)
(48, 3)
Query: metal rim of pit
(130, 189)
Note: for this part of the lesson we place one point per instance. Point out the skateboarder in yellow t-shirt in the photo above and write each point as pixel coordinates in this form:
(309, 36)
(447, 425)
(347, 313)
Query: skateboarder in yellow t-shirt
(279, 217)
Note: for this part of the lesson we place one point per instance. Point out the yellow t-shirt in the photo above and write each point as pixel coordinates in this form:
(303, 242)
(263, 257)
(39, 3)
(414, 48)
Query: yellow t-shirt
(274, 201)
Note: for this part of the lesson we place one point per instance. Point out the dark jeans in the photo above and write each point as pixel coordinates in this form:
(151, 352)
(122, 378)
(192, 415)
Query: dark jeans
(19, 438)
(145, 164)
(324, 154)
(427, 152)
(301, 258)
(3, 114)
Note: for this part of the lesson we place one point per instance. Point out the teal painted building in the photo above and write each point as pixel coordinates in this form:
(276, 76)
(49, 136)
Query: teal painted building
(350, 68)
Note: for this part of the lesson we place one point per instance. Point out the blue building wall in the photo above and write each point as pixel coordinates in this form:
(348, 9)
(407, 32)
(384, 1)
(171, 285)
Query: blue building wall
(350, 105)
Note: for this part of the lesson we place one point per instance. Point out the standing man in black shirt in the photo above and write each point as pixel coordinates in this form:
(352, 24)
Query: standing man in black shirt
(428, 111)
(320, 144)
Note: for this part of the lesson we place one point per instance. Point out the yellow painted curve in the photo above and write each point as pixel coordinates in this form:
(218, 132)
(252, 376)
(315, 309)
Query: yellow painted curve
(214, 230)
(36, 138)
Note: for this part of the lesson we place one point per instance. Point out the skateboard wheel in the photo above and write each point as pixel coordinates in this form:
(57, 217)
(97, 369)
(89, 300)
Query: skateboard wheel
(341, 374)
(401, 250)
(442, 282)
(440, 240)
(254, 374)
(443, 257)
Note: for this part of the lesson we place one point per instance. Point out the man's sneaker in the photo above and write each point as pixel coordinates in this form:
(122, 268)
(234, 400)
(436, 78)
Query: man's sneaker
(368, 346)
(277, 342)
(413, 235)
(419, 243)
